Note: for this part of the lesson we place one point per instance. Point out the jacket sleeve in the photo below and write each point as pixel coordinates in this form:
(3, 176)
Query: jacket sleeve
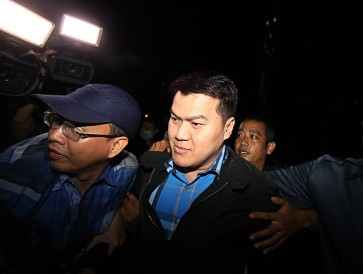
(293, 183)
(147, 164)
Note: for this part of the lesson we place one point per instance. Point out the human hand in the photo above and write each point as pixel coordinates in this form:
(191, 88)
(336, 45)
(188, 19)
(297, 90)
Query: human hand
(162, 145)
(43, 55)
(284, 224)
(125, 221)
(115, 235)
(130, 212)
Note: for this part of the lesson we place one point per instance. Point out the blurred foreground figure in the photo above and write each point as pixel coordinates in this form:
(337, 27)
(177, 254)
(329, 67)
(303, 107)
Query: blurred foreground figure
(67, 184)
(334, 188)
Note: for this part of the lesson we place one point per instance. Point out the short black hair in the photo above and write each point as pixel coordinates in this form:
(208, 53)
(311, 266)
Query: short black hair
(270, 128)
(210, 83)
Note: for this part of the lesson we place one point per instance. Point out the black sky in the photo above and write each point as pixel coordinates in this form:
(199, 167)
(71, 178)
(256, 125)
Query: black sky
(312, 64)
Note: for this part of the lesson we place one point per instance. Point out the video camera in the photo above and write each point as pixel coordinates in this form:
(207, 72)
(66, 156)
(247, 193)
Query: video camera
(24, 34)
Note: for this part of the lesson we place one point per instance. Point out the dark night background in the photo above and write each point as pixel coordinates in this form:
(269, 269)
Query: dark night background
(305, 71)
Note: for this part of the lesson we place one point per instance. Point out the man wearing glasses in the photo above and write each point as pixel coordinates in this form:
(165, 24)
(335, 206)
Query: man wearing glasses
(68, 183)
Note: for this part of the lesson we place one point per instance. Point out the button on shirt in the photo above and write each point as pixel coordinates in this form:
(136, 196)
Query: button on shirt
(172, 198)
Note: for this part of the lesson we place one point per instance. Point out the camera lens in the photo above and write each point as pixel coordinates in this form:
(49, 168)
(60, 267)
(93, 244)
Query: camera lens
(70, 68)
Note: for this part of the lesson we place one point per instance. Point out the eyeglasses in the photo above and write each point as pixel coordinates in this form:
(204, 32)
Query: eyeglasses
(70, 131)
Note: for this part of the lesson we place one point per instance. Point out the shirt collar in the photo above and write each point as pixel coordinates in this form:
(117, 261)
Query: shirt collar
(216, 167)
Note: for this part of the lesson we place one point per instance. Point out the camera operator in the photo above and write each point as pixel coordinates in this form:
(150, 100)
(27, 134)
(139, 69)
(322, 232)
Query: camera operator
(18, 117)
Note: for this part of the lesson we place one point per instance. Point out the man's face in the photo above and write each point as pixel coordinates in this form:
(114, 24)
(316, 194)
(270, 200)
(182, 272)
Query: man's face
(148, 126)
(147, 130)
(196, 132)
(86, 156)
(250, 142)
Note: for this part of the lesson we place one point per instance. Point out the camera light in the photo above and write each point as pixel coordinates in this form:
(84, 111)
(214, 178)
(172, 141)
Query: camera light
(23, 23)
(80, 30)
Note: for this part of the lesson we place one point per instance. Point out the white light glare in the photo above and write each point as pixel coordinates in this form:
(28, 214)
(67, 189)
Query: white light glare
(24, 23)
(80, 30)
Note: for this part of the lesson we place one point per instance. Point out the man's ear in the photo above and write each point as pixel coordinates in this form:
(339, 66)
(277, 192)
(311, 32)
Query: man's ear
(118, 144)
(271, 147)
(228, 127)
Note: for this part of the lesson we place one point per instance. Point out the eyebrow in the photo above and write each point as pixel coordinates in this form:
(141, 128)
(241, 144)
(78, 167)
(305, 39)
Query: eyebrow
(255, 131)
(191, 118)
(251, 131)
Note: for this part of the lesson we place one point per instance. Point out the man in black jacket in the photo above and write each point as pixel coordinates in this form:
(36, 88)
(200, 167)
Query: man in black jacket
(191, 201)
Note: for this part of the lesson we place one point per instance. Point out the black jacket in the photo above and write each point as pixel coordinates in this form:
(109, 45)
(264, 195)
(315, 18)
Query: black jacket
(213, 234)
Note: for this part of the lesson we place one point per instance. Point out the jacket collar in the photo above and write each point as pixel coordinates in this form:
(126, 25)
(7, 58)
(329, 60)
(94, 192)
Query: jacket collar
(236, 171)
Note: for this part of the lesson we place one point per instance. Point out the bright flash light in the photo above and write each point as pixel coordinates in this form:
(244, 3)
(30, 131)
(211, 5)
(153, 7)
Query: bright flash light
(80, 30)
(23, 23)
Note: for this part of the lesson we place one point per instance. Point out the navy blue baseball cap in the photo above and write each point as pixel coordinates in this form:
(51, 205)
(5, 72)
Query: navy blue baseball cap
(97, 104)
